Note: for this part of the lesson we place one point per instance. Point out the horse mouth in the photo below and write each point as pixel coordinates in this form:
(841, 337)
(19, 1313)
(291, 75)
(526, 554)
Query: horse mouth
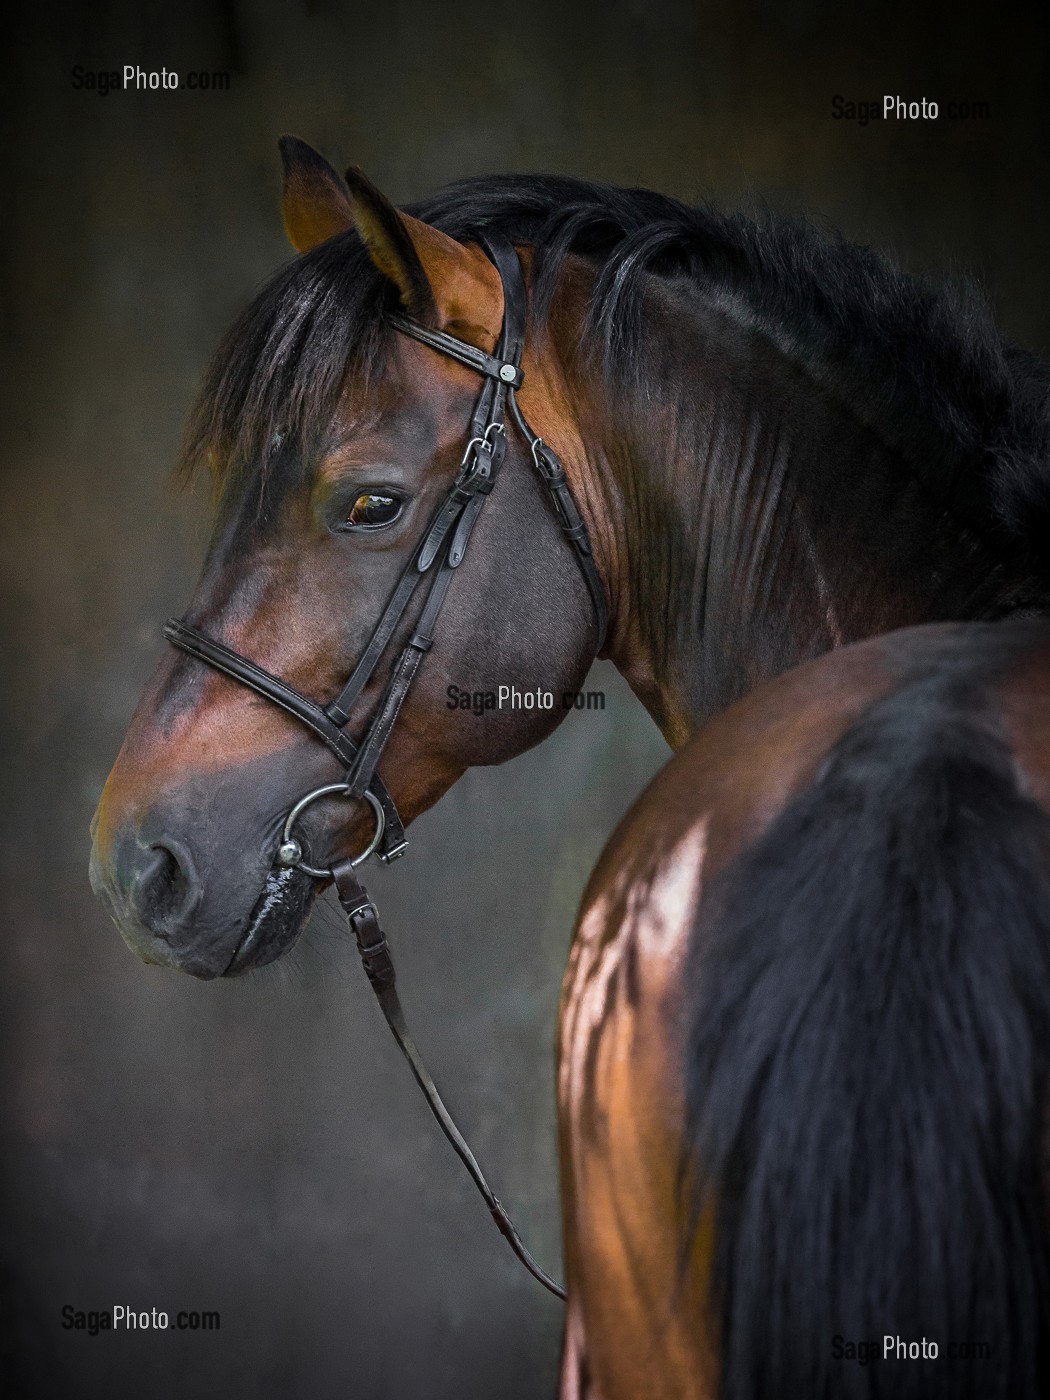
(276, 922)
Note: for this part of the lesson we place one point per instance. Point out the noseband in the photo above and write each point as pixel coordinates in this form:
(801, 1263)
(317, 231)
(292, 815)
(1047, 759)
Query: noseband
(438, 556)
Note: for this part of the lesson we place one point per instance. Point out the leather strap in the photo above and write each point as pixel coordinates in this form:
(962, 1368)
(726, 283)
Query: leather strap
(363, 918)
(497, 368)
(504, 257)
(437, 533)
(552, 474)
(440, 553)
(505, 371)
(222, 658)
(458, 515)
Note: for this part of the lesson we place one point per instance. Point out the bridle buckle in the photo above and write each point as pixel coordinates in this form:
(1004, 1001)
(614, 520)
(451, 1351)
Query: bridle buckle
(478, 455)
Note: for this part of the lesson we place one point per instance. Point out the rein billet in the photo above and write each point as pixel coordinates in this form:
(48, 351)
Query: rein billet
(437, 557)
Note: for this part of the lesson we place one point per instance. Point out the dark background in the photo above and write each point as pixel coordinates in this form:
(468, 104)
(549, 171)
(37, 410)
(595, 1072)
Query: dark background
(258, 1147)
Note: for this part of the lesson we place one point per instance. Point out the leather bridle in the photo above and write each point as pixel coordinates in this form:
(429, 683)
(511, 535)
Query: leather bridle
(438, 556)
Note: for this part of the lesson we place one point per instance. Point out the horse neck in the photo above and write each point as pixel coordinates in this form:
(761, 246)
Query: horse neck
(747, 520)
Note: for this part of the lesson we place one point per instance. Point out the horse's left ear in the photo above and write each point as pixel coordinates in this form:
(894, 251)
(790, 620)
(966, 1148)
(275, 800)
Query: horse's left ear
(442, 283)
(316, 202)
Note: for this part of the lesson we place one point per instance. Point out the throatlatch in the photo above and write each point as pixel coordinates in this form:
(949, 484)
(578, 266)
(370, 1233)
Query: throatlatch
(440, 553)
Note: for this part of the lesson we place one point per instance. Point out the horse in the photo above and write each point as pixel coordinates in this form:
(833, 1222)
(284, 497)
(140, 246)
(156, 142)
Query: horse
(801, 502)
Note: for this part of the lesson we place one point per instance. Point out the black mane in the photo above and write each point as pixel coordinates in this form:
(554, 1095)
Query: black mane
(926, 367)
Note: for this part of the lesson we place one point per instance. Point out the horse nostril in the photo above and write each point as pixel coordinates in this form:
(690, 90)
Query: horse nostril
(165, 889)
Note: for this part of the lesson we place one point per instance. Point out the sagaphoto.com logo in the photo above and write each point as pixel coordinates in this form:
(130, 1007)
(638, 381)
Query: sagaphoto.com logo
(509, 697)
(130, 77)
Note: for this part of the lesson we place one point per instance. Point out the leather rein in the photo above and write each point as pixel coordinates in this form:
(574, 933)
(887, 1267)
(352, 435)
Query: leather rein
(437, 557)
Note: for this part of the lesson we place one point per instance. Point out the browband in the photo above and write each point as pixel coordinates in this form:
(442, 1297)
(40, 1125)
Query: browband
(489, 365)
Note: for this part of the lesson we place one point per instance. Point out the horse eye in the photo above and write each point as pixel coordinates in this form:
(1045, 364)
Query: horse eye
(372, 509)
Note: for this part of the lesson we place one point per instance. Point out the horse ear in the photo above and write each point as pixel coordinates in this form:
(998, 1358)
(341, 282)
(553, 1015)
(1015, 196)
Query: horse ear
(385, 234)
(442, 283)
(316, 202)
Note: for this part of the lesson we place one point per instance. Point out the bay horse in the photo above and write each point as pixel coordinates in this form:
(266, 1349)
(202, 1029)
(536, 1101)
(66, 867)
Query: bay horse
(804, 1025)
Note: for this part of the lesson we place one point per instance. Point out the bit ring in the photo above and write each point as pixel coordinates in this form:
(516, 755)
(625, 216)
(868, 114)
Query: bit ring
(290, 851)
